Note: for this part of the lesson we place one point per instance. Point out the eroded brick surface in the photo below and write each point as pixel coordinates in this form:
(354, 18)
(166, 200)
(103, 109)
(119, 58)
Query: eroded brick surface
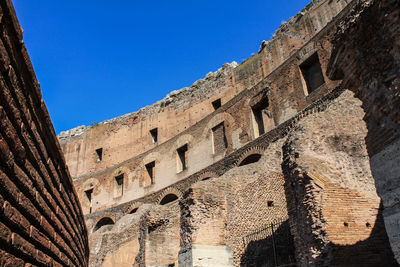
(307, 166)
(41, 221)
(366, 56)
(334, 208)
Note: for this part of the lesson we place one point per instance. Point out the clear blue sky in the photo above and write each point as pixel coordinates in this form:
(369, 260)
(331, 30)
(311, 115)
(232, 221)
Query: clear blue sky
(99, 59)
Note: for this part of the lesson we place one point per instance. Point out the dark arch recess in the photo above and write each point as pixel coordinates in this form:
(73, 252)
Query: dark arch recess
(250, 159)
(133, 211)
(168, 199)
(102, 222)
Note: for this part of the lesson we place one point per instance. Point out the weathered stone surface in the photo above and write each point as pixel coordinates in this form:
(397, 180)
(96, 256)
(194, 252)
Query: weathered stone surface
(255, 165)
(200, 255)
(366, 56)
(270, 162)
(327, 170)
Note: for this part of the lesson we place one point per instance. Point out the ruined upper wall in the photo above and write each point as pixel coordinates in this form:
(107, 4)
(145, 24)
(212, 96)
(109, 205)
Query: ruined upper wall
(179, 100)
(41, 221)
(127, 136)
(132, 166)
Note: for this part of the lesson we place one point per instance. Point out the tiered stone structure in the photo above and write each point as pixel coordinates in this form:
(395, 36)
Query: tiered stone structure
(289, 158)
(41, 221)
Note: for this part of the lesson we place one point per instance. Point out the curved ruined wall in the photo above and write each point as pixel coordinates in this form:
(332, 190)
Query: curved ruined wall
(127, 136)
(268, 87)
(276, 173)
(41, 222)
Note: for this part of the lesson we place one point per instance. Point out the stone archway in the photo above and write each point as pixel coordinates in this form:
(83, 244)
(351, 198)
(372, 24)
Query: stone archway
(103, 222)
(169, 195)
(251, 155)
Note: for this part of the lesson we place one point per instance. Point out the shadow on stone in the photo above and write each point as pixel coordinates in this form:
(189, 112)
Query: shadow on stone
(268, 245)
(374, 251)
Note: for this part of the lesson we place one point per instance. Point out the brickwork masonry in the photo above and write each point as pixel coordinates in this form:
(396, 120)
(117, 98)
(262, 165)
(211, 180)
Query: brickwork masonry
(41, 221)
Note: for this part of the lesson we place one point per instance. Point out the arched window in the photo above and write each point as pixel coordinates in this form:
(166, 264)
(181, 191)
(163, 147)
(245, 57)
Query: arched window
(206, 178)
(104, 221)
(250, 159)
(168, 199)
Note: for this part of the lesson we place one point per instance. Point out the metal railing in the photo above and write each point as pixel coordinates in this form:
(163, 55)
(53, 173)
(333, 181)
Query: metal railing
(270, 246)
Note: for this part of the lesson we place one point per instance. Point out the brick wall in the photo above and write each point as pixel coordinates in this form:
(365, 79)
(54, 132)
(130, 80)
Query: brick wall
(221, 211)
(366, 55)
(333, 208)
(188, 113)
(41, 221)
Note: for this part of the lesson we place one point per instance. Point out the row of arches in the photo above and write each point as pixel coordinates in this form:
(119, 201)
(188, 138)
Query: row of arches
(168, 198)
(170, 195)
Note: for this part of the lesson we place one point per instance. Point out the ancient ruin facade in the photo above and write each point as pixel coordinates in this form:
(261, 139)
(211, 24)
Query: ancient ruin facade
(290, 158)
(41, 221)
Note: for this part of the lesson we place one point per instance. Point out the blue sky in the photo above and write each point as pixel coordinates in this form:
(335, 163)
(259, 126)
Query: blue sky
(99, 59)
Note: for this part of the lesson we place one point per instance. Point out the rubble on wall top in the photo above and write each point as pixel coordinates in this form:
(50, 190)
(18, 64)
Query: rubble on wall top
(196, 90)
(284, 28)
(72, 132)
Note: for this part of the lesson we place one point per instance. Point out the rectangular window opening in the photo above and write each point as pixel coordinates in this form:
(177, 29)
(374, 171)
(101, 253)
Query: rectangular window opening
(258, 111)
(270, 203)
(99, 153)
(119, 182)
(182, 158)
(219, 138)
(312, 73)
(154, 135)
(259, 121)
(150, 170)
(89, 195)
(216, 104)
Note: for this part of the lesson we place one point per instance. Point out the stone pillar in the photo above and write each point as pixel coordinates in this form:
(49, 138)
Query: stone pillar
(203, 227)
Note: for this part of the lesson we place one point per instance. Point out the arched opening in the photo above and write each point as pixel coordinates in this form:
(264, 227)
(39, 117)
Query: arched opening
(250, 159)
(206, 178)
(168, 199)
(103, 222)
(133, 211)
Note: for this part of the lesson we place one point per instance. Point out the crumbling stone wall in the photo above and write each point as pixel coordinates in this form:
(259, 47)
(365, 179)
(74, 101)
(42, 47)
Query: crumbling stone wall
(41, 222)
(178, 111)
(287, 40)
(192, 105)
(147, 237)
(221, 211)
(366, 56)
(314, 166)
(163, 240)
(331, 215)
(247, 214)
(110, 243)
(203, 219)
(283, 92)
(333, 206)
